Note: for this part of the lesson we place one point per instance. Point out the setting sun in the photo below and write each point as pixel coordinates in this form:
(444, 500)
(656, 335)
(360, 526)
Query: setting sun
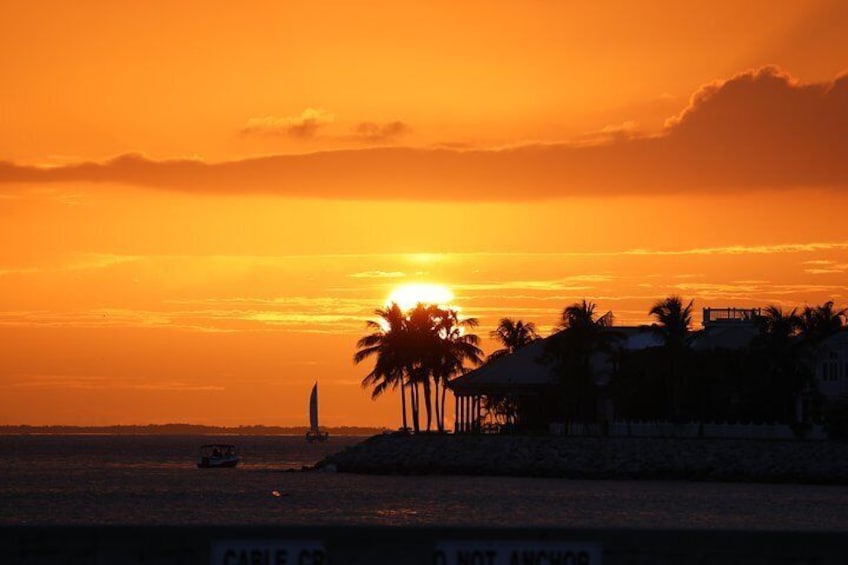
(409, 295)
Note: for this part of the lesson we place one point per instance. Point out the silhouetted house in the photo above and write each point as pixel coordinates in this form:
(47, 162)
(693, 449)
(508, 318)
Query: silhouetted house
(629, 338)
(727, 328)
(831, 366)
(527, 380)
(727, 374)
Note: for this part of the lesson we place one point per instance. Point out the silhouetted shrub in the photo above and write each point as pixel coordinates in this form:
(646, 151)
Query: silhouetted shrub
(836, 419)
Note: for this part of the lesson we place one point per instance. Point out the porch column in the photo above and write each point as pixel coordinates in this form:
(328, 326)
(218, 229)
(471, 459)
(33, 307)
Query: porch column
(466, 415)
(462, 413)
(455, 413)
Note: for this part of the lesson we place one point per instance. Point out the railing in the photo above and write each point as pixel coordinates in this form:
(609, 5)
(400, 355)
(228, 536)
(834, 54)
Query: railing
(713, 315)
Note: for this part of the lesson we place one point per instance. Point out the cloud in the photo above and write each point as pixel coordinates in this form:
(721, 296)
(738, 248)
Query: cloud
(824, 267)
(819, 262)
(87, 382)
(611, 133)
(311, 123)
(19, 271)
(746, 249)
(378, 275)
(836, 270)
(759, 129)
(303, 126)
(533, 285)
(372, 132)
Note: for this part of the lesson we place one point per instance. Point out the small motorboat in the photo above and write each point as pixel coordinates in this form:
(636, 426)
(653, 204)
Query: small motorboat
(218, 455)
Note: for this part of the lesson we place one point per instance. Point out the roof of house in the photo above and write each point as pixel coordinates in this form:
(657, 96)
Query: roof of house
(526, 368)
(729, 336)
(638, 337)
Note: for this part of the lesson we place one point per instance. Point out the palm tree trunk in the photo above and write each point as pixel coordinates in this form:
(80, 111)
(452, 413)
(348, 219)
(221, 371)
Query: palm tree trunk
(436, 404)
(444, 393)
(403, 402)
(416, 425)
(428, 405)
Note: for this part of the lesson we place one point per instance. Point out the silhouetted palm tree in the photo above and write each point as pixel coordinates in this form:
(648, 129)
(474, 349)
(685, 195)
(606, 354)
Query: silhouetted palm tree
(418, 349)
(673, 323)
(582, 335)
(783, 354)
(457, 346)
(513, 335)
(389, 345)
(777, 324)
(580, 316)
(673, 320)
(424, 356)
(820, 322)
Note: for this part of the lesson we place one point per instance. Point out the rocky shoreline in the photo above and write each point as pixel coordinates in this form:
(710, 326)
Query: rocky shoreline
(813, 462)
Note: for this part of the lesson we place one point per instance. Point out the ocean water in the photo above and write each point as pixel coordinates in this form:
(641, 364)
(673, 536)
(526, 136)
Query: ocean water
(153, 480)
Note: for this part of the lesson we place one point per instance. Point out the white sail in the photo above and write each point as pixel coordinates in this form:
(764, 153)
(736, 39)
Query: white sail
(313, 409)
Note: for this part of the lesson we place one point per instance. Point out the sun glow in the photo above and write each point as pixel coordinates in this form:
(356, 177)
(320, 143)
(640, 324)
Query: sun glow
(410, 295)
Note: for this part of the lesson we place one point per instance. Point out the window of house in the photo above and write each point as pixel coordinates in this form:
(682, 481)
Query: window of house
(830, 371)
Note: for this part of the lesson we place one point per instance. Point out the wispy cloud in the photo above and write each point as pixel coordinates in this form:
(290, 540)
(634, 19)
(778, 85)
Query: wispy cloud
(745, 249)
(294, 314)
(373, 132)
(757, 292)
(540, 285)
(19, 271)
(80, 262)
(88, 382)
(819, 262)
(298, 319)
(100, 261)
(824, 267)
(835, 269)
(378, 275)
(302, 126)
(766, 249)
(314, 123)
(100, 318)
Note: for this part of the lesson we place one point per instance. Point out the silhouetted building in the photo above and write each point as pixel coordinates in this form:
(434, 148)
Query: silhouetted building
(726, 328)
(726, 375)
(831, 366)
(525, 382)
(524, 379)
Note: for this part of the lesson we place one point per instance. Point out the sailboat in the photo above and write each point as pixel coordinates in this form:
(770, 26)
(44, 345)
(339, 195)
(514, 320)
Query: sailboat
(314, 434)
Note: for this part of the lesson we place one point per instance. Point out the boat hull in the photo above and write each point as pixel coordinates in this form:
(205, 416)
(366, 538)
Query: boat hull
(312, 437)
(212, 463)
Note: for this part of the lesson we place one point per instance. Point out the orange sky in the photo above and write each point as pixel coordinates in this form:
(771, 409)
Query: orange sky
(200, 205)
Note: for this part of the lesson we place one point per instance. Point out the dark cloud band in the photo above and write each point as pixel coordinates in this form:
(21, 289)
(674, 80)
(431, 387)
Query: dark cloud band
(760, 129)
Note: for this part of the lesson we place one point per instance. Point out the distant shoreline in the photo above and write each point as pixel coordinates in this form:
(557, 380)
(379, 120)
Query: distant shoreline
(183, 429)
